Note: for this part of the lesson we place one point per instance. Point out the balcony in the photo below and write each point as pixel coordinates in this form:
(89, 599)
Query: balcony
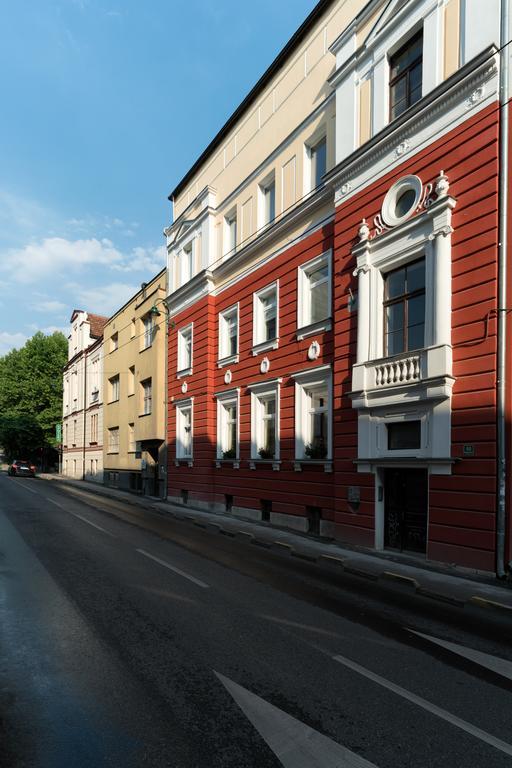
(425, 374)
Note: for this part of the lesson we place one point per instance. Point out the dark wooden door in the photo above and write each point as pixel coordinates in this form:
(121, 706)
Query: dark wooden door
(406, 509)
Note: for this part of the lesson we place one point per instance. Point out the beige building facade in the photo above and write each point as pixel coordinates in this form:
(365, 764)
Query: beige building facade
(135, 344)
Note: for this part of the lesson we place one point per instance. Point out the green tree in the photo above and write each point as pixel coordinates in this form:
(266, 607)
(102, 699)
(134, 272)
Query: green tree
(31, 387)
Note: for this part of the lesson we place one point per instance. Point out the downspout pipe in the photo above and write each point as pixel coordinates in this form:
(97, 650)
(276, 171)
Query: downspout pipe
(502, 292)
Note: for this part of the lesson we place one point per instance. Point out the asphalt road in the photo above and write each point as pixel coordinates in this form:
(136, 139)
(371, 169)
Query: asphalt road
(131, 640)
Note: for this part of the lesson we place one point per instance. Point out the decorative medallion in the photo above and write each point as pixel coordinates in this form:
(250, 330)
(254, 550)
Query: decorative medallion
(228, 377)
(314, 351)
(184, 387)
(265, 365)
(475, 97)
(402, 148)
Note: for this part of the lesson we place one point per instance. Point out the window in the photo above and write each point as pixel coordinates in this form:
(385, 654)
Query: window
(404, 308)
(265, 310)
(228, 334)
(318, 163)
(227, 425)
(230, 233)
(185, 350)
(314, 293)
(405, 76)
(149, 327)
(114, 342)
(113, 384)
(131, 438)
(131, 380)
(184, 435)
(94, 428)
(113, 440)
(268, 201)
(187, 263)
(146, 396)
(313, 414)
(74, 432)
(265, 420)
(404, 435)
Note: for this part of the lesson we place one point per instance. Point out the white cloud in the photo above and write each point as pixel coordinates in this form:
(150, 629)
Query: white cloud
(49, 306)
(150, 260)
(56, 255)
(10, 341)
(104, 299)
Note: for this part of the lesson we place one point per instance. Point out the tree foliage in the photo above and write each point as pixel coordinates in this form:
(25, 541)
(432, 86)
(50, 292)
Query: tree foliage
(31, 394)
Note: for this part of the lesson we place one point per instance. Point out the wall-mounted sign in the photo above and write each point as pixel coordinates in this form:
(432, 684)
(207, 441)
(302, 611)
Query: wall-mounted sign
(354, 494)
(468, 450)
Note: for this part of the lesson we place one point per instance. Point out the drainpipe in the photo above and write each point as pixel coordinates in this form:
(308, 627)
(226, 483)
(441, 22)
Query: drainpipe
(502, 292)
(85, 413)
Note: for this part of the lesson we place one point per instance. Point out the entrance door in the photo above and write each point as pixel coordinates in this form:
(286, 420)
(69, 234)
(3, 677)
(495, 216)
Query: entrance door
(406, 509)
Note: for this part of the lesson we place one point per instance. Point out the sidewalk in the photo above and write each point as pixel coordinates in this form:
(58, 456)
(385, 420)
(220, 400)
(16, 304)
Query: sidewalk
(447, 584)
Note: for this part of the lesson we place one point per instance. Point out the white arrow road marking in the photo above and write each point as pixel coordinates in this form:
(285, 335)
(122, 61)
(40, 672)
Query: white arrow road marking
(294, 743)
(174, 569)
(424, 704)
(494, 663)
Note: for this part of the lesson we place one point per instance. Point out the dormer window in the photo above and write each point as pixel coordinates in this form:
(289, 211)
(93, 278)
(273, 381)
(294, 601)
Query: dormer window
(405, 76)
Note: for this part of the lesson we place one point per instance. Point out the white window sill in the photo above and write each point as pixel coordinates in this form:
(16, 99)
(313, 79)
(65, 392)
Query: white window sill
(182, 461)
(264, 346)
(227, 361)
(234, 463)
(309, 330)
(274, 463)
(184, 372)
(300, 463)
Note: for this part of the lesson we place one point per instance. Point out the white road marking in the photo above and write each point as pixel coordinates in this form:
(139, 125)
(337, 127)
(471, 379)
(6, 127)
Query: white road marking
(297, 625)
(52, 501)
(494, 663)
(20, 485)
(294, 743)
(174, 569)
(89, 522)
(473, 730)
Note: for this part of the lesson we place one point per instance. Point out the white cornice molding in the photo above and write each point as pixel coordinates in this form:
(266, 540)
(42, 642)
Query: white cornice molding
(401, 136)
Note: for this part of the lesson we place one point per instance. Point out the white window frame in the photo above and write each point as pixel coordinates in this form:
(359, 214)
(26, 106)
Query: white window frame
(145, 397)
(149, 328)
(181, 407)
(230, 243)
(259, 344)
(305, 380)
(185, 366)
(228, 397)
(264, 185)
(131, 438)
(304, 325)
(113, 445)
(259, 392)
(309, 149)
(114, 384)
(225, 358)
(131, 381)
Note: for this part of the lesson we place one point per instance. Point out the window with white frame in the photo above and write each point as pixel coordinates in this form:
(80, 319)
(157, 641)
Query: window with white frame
(187, 263)
(131, 380)
(184, 426)
(147, 396)
(265, 420)
(227, 425)
(317, 154)
(149, 327)
(131, 438)
(185, 350)
(314, 291)
(230, 233)
(113, 384)
(313, 414)
(267, 201)
(266, 314)
(228, 334)
(113, 440)
(94, 428)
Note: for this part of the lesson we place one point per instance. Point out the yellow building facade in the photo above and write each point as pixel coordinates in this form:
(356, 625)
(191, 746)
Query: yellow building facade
(134, 380)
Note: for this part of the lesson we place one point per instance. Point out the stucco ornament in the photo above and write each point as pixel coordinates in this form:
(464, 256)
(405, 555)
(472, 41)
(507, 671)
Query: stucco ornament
(265, 365)
(314, 351)
(228, 377)
(184, 387)
(442, 185)
(364, 231)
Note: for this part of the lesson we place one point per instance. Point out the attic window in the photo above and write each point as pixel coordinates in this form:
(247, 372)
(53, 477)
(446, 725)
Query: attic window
(406, 76)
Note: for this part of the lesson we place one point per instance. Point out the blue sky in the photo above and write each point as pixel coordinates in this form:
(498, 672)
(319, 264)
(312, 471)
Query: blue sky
(105, 106)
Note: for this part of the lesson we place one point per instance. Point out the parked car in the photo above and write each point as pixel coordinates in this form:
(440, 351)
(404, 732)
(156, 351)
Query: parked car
(22, 468)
